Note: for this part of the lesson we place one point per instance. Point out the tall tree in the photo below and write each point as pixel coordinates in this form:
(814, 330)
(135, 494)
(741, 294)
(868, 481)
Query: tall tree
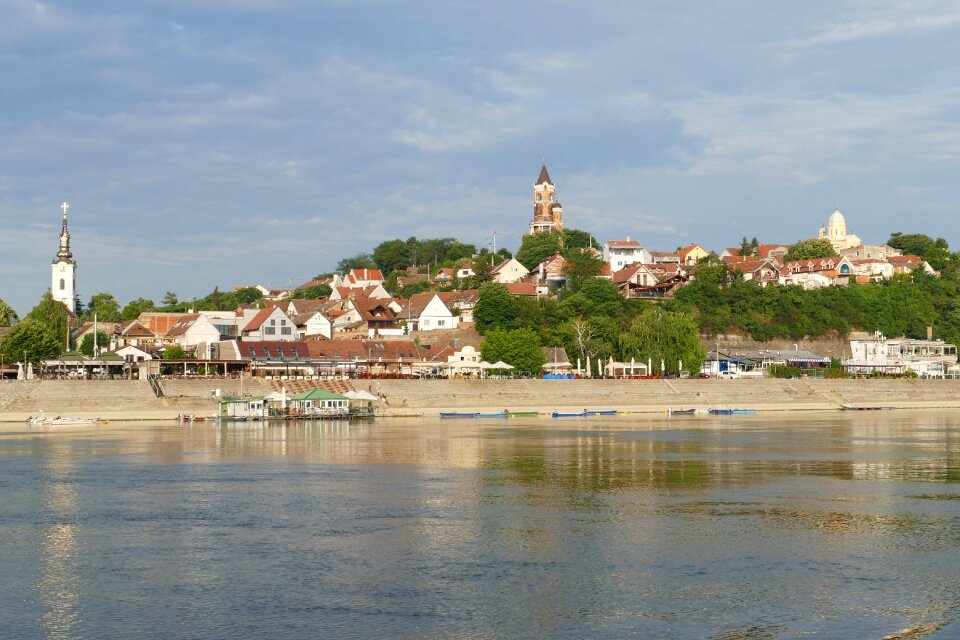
(581, 266)
(86, 344)
(358, 261)
(32, 338)
(577, 239)
(496, 308)
(105, 307)
(392, 255)
(54, 316)
(135, 307)
(169, 299)
(663, 336)
(518, 347)
(7, 315)
(537, 247)
(811, 250)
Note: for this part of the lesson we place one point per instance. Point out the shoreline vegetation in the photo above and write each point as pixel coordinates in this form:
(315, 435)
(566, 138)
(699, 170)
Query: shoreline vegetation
(132, 400)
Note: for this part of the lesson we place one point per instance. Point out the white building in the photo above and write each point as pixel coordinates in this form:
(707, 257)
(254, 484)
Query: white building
(509, 271)
(63, 281)
(878, 354)
(270, 324)
(622, 253)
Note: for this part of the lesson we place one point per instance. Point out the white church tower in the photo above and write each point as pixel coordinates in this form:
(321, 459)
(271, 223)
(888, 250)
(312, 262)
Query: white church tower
(63, 285)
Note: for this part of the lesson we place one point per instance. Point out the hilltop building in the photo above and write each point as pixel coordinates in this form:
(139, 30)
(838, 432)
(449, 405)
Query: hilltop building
(63, 281)
(547, 210)
(836, 232)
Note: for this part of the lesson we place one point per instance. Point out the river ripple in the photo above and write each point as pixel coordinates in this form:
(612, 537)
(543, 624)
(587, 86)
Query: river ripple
(828, 525)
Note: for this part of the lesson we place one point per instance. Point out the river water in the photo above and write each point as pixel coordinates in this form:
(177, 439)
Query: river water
(832, 525)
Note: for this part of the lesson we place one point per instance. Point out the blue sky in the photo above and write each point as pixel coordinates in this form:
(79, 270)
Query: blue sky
(206, 143)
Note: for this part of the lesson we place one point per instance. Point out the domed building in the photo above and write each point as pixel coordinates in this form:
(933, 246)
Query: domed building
(836, 233)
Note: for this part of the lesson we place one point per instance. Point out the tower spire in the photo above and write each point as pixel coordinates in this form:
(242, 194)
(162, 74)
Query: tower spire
(64, 252)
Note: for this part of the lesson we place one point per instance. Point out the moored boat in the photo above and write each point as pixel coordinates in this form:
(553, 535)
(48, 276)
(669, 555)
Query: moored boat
(454, 414)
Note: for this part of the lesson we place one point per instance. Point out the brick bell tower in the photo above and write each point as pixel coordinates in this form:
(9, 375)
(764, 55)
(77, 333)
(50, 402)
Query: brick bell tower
(547, 210)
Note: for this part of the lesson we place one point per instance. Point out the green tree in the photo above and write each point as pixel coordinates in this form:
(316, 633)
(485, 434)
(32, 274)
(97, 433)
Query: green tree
(32, 337)
(358, 261)
(7, 315)
(496, 308)
(580, 267)
(392, 255)
(86, 344)
(936, 252)
(660, 335)
(105, 307)
(811, 250)
(249, 295)
(517, 347)
(135, 307)
(54, 316)
(536, 248)
(577, 239)
(169, 299)
(175, 352)
(312, 293)
(482, 271)
(596, 297)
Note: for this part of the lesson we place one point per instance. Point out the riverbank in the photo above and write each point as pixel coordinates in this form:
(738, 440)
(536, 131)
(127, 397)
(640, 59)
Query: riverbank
(135, 400)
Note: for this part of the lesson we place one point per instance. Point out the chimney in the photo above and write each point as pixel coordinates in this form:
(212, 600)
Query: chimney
(628, 238)
(929, 333)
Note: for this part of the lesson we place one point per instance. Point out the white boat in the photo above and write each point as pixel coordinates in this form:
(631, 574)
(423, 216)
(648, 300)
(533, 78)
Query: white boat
(60, 420)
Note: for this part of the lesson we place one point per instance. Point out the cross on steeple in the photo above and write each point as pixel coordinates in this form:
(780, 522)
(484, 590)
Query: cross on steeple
(64, 206)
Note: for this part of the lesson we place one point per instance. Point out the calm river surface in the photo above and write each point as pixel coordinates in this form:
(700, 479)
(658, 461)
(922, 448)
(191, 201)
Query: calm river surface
(832, 525)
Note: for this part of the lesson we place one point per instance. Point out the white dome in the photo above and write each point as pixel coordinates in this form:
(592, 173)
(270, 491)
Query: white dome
(836, 218)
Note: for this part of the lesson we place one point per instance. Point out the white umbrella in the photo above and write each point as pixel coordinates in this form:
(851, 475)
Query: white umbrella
(632, 365)
(500, 364)
(361, 395)
(663, 366)
(578, 366)
(20, 371)
(589, 373)
(29, 371)
(486, 365)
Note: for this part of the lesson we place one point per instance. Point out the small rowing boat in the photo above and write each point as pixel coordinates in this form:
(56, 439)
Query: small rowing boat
(452, 414)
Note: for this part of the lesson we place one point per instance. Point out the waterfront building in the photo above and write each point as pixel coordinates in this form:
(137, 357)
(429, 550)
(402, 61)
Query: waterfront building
(547, 210)
(896, 356)
(63, 285)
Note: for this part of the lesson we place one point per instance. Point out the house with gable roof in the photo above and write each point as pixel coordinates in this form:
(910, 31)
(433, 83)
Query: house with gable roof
(350, 293)
(269, 324)
(429, 312)
(819, 272)
(760, 270)
(195, 332)
(692, 254)
(622, 253)
(509, 271)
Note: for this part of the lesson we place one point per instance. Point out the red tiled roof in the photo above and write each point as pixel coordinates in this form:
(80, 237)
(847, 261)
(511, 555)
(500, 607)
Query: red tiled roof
(257, 321)
(623, 243)
(521, 288)
(183, 324)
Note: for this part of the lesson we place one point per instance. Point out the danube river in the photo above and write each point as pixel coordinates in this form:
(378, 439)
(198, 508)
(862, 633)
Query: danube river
(832, 525)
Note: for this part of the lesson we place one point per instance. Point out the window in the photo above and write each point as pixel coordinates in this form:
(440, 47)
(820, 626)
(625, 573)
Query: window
(270, 331)
(539, 197)
(62, 284)
(273, 322)
(285, 331)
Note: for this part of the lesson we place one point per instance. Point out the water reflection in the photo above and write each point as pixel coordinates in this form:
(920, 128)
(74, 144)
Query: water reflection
(834, 525)
(59, 587)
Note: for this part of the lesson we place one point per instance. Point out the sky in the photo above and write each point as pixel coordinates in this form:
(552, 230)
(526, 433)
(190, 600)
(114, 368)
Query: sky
(216, 143)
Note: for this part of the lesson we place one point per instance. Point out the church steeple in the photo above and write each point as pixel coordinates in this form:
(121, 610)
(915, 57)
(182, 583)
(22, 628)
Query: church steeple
(63, 282)
(64, 253)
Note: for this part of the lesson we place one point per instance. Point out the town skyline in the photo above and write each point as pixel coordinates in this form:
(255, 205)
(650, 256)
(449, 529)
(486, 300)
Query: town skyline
(267, 146)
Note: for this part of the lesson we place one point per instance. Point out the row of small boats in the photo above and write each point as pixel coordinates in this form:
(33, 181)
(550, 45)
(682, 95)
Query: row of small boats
(587, 413)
